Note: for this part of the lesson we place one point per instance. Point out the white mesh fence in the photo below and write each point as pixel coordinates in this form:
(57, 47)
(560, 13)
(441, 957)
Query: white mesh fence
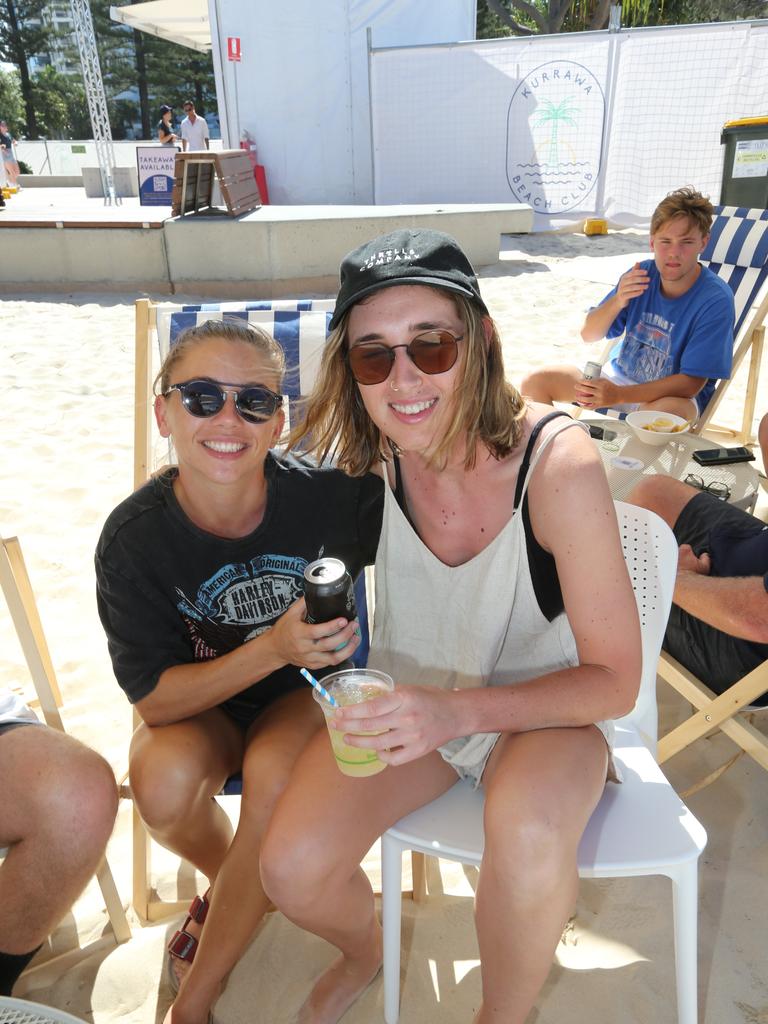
(575, 124)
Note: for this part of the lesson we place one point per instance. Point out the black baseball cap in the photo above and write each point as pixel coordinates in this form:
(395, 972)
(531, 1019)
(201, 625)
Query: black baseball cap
(165, 109)
(405, 256)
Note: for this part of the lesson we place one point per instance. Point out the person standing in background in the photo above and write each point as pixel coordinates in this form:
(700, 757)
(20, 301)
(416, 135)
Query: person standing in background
(10, 163)
(165, 132)
(194, 130)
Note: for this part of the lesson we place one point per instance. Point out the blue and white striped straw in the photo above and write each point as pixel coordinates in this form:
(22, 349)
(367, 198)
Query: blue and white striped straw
(320, 689)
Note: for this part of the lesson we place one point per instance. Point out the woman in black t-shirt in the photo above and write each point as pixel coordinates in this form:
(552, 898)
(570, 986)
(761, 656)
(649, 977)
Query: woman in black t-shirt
(200, 575)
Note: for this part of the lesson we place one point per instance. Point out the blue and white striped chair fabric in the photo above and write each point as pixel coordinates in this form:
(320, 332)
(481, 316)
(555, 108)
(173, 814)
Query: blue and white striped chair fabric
(300, 326)
(737, 251)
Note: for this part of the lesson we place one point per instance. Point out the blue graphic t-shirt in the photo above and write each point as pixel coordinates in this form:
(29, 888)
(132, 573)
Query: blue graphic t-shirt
(691, 334)
(170, 594)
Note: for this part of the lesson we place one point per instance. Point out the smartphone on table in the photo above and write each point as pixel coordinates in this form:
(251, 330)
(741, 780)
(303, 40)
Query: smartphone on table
(722, 456)
(600, 433)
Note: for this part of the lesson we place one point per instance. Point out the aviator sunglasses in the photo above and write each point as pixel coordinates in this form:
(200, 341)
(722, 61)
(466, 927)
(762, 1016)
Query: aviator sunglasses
(203, 398)
(371, 362)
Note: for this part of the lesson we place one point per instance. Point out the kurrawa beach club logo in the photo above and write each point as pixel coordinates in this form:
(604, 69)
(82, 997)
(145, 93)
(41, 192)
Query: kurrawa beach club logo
(554, 136)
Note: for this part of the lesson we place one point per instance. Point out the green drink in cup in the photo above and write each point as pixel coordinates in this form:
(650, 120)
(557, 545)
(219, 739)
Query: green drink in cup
(352, 686)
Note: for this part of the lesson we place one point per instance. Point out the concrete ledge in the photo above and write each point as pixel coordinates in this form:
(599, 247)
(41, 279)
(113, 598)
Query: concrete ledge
(125, 181)
(274, 251)
(51, 180)
(279, 244)
(108, 257)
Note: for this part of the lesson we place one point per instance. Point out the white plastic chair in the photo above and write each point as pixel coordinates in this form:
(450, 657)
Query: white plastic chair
(22, 1011)
(640, 827)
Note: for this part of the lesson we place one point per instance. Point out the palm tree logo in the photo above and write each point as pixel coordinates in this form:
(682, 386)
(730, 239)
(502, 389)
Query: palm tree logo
(555, 115)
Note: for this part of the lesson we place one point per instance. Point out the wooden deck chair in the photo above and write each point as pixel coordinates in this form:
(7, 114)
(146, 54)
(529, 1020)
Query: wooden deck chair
(301, 327)
(737, 251)
(26, 620)
(726, 712)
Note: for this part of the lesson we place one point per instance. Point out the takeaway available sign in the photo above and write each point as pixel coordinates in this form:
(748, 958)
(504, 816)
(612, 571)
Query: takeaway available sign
(156, 173)
(554, 137)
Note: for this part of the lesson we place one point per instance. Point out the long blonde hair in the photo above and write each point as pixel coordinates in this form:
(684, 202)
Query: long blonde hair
(488, 408)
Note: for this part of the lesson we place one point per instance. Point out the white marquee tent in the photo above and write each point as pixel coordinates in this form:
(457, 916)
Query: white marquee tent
(180, 21)
(295, 78)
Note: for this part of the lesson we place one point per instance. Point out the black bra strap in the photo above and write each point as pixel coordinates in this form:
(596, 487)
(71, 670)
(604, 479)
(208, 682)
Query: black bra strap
(529, 451)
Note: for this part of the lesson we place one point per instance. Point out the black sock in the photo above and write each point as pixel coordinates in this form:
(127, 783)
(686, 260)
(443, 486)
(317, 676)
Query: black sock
(11, 966)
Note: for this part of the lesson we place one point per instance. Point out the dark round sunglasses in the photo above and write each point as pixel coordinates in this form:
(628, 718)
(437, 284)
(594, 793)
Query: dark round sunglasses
(204, 398)
(371, 362)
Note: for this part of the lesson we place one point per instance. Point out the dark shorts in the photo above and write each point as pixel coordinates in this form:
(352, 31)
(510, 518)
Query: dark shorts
(719, 660)
(246, 707)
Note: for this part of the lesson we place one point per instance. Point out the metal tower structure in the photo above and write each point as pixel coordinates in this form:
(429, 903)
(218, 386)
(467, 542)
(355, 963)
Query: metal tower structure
(97, 99)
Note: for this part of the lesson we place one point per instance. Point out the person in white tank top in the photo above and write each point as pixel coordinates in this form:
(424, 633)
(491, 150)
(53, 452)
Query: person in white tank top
(500, 679)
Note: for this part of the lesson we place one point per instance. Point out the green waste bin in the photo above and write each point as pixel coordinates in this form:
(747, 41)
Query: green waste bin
(745, 163)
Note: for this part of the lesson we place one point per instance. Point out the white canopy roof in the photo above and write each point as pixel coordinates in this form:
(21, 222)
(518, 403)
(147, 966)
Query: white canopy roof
(181, 21)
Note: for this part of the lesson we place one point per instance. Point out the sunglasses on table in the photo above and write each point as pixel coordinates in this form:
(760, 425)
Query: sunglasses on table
(715, 488)
(203, 398)
(371, 362)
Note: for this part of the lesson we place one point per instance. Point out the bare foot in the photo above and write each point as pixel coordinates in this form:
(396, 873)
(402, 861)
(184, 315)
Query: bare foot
(338, 988)
(194, 1000)
(176, 1014)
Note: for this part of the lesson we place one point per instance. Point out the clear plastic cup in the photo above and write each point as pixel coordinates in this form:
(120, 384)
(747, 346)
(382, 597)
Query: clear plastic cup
(352, 686)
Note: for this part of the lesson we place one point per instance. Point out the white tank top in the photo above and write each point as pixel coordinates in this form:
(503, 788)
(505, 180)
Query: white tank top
(475, 624)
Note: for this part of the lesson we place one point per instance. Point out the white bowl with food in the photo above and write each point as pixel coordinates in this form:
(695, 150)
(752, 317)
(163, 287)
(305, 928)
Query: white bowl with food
(657, 428)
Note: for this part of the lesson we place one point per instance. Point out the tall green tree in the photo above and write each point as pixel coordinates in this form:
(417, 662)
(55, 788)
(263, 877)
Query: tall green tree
(24, 33)
(157, 70)
(11, 103)
(687, 12)
(60, 105)
(532, 17)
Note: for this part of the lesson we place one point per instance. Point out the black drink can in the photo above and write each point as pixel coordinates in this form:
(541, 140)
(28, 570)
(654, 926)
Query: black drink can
(329, 591)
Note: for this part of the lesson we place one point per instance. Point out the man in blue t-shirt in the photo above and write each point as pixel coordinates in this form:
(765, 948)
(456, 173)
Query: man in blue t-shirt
(674, 319)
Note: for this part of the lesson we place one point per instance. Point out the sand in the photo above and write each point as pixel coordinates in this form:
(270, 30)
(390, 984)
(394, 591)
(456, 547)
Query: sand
(66, 364)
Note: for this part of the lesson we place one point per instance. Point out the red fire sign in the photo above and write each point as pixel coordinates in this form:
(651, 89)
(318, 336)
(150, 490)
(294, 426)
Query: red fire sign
(233, 48)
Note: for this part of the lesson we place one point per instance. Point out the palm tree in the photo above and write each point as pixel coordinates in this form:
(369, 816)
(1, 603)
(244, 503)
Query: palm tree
(555, 114)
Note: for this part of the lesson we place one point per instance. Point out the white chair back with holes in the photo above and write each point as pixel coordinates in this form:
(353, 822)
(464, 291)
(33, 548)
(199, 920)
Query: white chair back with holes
(640, 827)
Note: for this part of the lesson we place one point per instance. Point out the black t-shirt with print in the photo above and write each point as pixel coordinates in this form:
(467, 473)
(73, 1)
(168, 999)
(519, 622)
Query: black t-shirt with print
(169, 593)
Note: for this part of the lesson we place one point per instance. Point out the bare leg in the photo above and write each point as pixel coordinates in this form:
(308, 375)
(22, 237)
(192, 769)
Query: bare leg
(310, 865)
(551, 384)
(238, 902)
(663, 495)
(541, 788)
(58, 806)
(685, 407)
(175, 771)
